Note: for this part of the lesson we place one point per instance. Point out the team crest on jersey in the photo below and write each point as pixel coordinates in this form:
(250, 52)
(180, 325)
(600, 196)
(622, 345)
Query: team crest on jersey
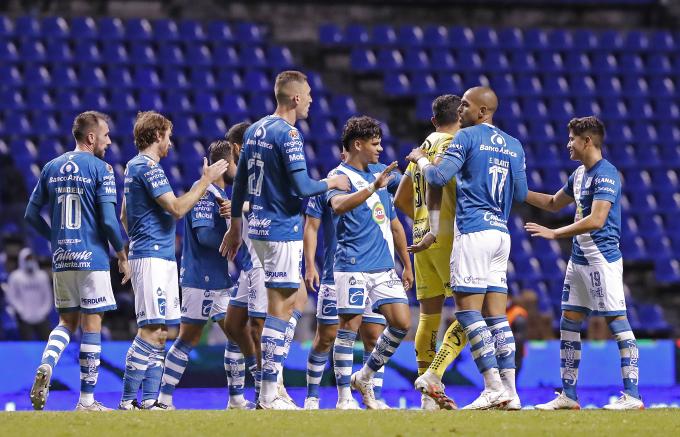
(294, 134)
(378, 213)
(69, 167)
(150, 162)
(260, 132)
(497, 139)
(109, 168)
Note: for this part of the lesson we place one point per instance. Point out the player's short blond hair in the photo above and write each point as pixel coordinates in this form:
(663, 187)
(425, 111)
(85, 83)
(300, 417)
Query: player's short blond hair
(148, 125)
(282, 80)
(85, 122)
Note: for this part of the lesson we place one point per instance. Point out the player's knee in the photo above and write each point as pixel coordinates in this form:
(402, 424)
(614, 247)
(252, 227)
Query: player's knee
(324, 342)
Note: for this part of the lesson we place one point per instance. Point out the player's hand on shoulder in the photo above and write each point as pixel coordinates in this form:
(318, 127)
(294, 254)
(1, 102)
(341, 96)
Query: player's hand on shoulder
(214, 171)
(225, 207)
(385, 176)
(338, 182)
(424, 244)
(416, 154)
(537, 230)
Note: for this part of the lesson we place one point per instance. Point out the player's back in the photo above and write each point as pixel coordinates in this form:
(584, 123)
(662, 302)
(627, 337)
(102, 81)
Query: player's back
(273, 149)
(491, 160)
(72, 185)
(151, 229)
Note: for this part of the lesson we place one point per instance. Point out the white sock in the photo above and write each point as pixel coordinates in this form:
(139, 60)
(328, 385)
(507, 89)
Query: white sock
(86, 399)
(508, 379)
(492, 379)
(344, 393)
(165, 399)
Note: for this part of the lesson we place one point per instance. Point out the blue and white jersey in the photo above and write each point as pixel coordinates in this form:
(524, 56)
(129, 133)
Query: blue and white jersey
(601, 182)
(273, 150)
(364, 234)
(203, 267)
(489, 160)
(72, 185)
(151, 229)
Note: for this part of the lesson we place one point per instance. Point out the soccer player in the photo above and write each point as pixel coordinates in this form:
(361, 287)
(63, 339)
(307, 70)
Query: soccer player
(433, 242)
(593, 283)
(273, 171)
(319, 215)
(80, 190)
(367, 230)
(149, 211)
(206, 287)
(490, 168)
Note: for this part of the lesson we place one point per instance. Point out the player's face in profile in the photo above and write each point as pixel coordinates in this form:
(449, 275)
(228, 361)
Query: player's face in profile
(165, 144)
(229, 175)
(305, 95)
(101, 139)
(370, 149)
(576, 146)
(467, 113)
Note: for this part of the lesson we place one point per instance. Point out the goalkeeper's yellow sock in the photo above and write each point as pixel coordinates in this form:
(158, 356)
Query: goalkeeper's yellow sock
(454, 342)
(426, 340)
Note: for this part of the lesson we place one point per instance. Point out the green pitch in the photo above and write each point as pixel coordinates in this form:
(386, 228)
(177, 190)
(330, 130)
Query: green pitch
(341, 423)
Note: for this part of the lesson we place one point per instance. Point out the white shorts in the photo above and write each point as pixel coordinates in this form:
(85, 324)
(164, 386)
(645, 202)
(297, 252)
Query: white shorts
(479, 262)
(596, 289)
(199, 305)
(327, 308)
(356, 291)
(88, 291)
(282, 262)
(154, 282)
(251, 293)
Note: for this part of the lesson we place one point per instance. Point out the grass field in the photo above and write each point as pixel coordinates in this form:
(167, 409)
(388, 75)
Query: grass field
(340, 423)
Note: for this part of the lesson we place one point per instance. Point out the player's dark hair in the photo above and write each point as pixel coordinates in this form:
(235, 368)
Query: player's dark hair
(283, 79)
(236, 132)
(445, 109)
(85, 122)
(590, 125)
(219, 149)
(360, 128)
(148, 125)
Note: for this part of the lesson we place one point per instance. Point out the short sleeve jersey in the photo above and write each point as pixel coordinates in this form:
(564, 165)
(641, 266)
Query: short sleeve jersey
(72, 185)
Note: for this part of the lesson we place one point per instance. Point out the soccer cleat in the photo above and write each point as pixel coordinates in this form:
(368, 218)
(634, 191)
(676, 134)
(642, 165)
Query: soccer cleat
(245, 405)
(311, 403)
(157, 406)
(365, 387)
(347, 404)
(283, 394)
(430, 385)
(489, 399)
(129, 405)
(625, 402)
(276, 404)
(94, 406)
(427, 403)
(382, 405)
(147, 404)
(41, 386)
(514, 405)
(561, 402)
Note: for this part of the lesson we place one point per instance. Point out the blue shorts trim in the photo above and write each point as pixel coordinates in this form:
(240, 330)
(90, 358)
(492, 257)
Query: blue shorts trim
(327, 321)
(257, 315)
(610, 313)
(493, 289)
(376, 306)
(190, 321)
(158, 322)
(235, 303)
(353, 311)
(576, 308)
(98, 310)
(270, 284)
(470, 290)
(218, 317)
(68, 310)
(376, 320)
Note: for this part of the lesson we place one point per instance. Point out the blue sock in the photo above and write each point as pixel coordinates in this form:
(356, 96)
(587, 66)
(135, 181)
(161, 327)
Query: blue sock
(90, 351)
(175, 364)
(343, 359)
(377, 378)
(480, 339)
(235, 367)
(151, 383)
(316, 363)
(504, 343)
(56, 343)
(272, 356)
(629, 355)
(136, 362)
(570, 355)
(251, 365)
(388, 342)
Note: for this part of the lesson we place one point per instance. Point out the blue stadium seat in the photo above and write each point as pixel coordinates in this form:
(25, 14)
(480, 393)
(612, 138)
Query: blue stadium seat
(95, 99)
(550, 62)
(138, 29)
(145, 78)
(662, 86)
(343, 106)
(31, 51)
(202, 77)
(461, 37)
(410, 36)
(185, 126)
(123, 101)
(449, 83)
(260, 105)
(84, 28)
(397, 84)
(226, 56)
(6, 28)
(529, 85)
(662, 41)
(528, 270)
(609, 41)
(11, 99)
(171, 53)
(37, 99)
(356, 35)
(142, 53)
(667, 270)
(229, 79)
(535, 39)
(560, 40)
(383, 35)
(256, 81)
(113, 28)
(87, 52)
(324, 131)
(213, 126)
(522, 62)
(120, 76)
(234, 105)
(315, 82)
(92, 77)
(177, 102)
(254, 56)
(279, 58)
(631, 64)
(435, 37)
(468, 60)
(219, 31)
(555, 86)
(149, 100)
(191, 31)
(510, 39)
(664, 180)
(635, 41)
(577, 62)
(390, 60)
(442, 60)
(423, 83)
(67, 100)
(54, 28)
(417, 60)
(635, 86)
(58, 51)
(362, 60)
(27, 27)
(503, 84)
(668, 201)
(165, 30)
(658, 63)
(485, 38)
(205, 102)
(330, 35)
(10, 76)
(497, 59)
(114, 52)
(249, 33)
(17, 124)
(199, 55)
(37, 76)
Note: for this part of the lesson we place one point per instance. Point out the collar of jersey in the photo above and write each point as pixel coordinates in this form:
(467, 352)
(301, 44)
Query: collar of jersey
(280, 118)
(490, 125)
(367, 171)
(147, 156)
(597, 164)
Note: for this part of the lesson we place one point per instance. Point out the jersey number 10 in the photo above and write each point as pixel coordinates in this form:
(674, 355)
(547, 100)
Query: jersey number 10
(70, 211)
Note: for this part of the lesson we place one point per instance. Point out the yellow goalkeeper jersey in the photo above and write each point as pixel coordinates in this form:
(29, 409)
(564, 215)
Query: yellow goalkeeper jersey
(435, 144)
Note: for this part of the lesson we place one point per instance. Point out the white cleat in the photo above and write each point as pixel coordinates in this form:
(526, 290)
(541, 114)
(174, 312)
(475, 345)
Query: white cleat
(489, 399)
(129, 405)
(382, 405)
(41, 386)
(431, 386)
(157, 406)
(561, 402)
(625, 402)
(276, 404)
(347, 404)
(365, 387)
(311, 403)
(283, 394)
(94, 406)
(245, 405)
(514, 405)
(428, 404)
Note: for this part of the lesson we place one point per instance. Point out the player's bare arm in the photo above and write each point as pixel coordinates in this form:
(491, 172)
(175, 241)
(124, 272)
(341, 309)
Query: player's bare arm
(403, 199)
(309, 237)
(123, 215)
(594, 221)
(179, 206)
(549, 202)
(399, 237)
(347, 202)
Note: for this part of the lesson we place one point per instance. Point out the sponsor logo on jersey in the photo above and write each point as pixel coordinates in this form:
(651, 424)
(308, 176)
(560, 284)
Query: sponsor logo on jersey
(497, 139)
(86, 301)
(329, 308)
(493, 220)
(565, 292)
(206, 306)
(296, 157)
(161, 306)
(356, 296)
(140, 314)
(69, 167)
(274, 275)
(109, 168)
(378, 213)
(64, 258)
